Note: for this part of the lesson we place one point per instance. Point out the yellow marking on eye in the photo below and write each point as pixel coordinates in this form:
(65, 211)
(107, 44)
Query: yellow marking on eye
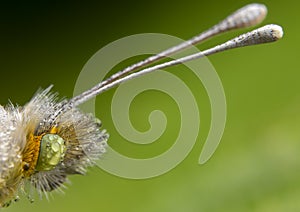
(54, 130)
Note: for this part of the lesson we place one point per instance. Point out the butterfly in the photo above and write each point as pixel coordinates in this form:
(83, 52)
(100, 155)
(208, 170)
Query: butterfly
(48, 139)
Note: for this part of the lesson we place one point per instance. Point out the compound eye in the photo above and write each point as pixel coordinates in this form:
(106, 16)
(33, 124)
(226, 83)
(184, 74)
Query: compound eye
(52, 152)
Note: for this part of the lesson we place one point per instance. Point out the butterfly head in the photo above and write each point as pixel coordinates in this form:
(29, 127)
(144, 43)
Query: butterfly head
(42, 152)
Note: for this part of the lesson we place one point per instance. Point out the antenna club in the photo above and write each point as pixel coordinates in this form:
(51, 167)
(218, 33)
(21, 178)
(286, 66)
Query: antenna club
(259, 11)
(247, 16)
(265, 34)
(268, 33)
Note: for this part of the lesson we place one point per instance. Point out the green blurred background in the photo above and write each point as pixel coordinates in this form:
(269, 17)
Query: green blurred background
(257, 165)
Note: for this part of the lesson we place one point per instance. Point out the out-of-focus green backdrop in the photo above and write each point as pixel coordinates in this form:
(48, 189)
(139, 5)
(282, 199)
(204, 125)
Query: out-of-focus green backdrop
(257, 165)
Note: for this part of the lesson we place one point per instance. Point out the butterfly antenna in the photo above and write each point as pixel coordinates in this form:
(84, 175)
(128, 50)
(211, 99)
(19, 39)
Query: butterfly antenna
(249, 15)
(266, 34)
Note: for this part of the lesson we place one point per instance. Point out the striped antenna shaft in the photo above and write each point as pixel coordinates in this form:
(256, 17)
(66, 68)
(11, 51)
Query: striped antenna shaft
(266, 34)
(246, 16)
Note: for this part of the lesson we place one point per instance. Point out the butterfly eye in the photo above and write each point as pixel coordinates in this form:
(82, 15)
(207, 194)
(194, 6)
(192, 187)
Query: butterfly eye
(52, 152)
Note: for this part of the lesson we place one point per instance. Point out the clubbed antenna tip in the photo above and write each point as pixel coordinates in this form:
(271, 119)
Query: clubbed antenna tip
(247, 16)
(265, 34)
